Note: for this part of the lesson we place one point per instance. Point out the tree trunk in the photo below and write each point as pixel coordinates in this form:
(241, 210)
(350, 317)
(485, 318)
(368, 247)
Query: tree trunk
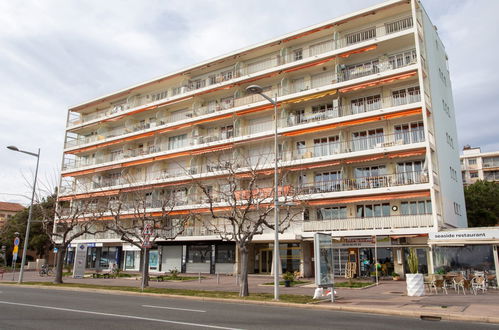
(243, 289)
(59, 267)
(145, 268)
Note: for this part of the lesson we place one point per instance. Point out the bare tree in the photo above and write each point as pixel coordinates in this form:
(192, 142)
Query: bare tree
(241, 206)
(132, 213)
(69, 221)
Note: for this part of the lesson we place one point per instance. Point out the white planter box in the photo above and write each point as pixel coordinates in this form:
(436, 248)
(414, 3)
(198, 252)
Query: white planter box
(415, 285)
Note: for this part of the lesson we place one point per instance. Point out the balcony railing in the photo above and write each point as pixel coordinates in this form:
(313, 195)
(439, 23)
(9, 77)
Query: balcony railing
(259, 160)
(269, 62)
(368, 182)
(374, 223)
(349, 109)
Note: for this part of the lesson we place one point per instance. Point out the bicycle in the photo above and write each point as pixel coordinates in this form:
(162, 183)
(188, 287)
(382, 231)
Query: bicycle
(46, 270)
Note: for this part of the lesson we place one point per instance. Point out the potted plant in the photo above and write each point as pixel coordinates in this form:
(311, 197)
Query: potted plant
(395, 276)
(414, 280)
(288, 278)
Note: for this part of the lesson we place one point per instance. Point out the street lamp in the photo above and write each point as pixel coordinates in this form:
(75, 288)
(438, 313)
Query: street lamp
(255, 89)
(28, 225)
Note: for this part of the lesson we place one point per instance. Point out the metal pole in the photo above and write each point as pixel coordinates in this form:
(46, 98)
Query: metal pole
(28, 225)
(376, 258)
(276, 209)
(142, 284)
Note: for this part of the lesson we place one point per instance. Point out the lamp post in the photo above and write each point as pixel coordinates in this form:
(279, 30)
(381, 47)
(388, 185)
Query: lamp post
(28, 225)
(255, 89)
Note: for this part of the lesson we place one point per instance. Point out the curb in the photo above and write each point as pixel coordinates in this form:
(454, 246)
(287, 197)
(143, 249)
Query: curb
(341, 308)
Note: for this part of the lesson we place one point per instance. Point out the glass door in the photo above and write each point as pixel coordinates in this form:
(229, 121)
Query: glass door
(265, 261)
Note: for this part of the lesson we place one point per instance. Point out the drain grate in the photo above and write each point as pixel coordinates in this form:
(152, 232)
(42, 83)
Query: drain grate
(430, 318)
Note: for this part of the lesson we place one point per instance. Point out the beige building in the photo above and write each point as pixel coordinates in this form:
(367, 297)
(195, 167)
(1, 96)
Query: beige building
(366, 126)
(478, 165)
(8, 210)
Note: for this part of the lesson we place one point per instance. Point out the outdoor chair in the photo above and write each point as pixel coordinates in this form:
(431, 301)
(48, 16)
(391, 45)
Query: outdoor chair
(464, 284)
(438, 284)
(479, 283)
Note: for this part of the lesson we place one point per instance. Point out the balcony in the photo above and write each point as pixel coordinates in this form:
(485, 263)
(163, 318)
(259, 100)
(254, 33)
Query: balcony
(369, 182)
(320, 150)
(265, 63)
(368, 105)
(375, 223)
(349, 109)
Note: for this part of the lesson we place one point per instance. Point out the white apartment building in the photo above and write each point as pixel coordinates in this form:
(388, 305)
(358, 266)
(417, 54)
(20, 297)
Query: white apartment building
(366, 127)
(477, 165)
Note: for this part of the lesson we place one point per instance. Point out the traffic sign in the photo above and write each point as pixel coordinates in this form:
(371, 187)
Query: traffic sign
(147, 230)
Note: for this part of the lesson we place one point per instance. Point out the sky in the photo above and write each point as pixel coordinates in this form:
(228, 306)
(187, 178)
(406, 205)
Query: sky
(57, 53)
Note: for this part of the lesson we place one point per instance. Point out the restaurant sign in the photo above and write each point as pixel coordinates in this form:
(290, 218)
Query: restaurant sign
(483, 234)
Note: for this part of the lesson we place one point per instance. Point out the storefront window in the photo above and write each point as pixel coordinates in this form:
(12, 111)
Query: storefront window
(198, 253)
(129, 259)
(225, 254)
(153, 260)
(385, 260)
(468, 258)
(422, 254)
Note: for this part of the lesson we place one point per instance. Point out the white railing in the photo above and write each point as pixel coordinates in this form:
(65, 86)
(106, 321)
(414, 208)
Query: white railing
(264, 64)
(375, 223)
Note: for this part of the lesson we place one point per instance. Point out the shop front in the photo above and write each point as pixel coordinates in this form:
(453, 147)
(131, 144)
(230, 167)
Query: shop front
(291, 258)
(358, 256)
(466, 250)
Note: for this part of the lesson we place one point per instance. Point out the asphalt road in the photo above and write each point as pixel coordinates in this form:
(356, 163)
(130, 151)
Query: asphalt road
(31, 308)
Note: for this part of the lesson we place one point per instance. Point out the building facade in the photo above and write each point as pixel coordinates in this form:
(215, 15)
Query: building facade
(366, 130)
(477, 165)
(8, 210)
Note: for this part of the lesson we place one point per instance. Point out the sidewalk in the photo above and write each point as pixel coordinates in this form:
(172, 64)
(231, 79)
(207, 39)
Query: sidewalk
(387, 298)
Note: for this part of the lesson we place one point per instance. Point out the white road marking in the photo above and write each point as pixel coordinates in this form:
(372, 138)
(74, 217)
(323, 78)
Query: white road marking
(117, 315)
(177, 309)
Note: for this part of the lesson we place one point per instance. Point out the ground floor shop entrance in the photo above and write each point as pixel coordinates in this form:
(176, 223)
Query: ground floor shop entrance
(290, 258)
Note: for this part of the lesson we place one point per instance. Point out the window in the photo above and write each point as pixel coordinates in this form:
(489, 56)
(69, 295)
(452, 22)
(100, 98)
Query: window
(159, 95)
(446, 108)
(179, 141)
(300, 148)
(176, 90)
(402, 59)
(297, 54)
(332, 213)
(326, 146)
(473, 175)
(328, 181)
(298, 85)
(359, 36)
(409, 133)
(415, 207)
(196, 84)
(406, 95)
(442, 77)
(367, 103)
(450, 140)
(453, 173)
(227, 132)
(370, 177)
(296, 117)
(409, 172)
(361, 70)
(116, 154)
(225, 254)
(364, 140)
(323, 111)
(373, 210)
(198, 253)
(472, 161)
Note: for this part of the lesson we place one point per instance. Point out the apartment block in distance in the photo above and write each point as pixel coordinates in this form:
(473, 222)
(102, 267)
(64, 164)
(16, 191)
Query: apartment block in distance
(366, 129)
(477, 165)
